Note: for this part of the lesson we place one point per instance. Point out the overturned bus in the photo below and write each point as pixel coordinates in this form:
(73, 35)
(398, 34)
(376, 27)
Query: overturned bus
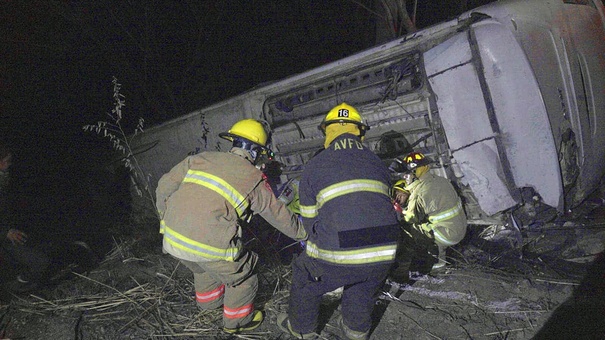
(508, 100)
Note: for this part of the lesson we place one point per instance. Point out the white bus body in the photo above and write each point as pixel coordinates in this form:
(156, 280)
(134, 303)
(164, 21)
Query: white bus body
(507, 99)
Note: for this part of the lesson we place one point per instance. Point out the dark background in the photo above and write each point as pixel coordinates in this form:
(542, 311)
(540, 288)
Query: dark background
(58, 59)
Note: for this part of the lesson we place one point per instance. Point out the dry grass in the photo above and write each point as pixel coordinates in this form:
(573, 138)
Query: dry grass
(139, 293)
(145, 296)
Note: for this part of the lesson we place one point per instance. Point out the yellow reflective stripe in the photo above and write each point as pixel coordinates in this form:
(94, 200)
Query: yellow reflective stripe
(218, 185)
(408, 215)
(446, 215)
(359, 256)
(162, 226)
(308, 211)
(199, 249)
(343, 188)
(441, 238)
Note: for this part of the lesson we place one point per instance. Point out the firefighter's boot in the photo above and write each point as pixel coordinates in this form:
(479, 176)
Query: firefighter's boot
(284, 324)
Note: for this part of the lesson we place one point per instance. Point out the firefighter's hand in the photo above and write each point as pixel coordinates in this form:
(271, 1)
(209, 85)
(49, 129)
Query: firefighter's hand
(401, 197)
(17, 237)
(426, 228)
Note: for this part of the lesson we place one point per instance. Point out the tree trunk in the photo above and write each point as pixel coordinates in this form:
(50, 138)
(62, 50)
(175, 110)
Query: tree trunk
(396, 21)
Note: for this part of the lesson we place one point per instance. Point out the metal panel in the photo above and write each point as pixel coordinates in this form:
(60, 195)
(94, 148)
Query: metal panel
(522, 118)
(480, 165)
(465, 120)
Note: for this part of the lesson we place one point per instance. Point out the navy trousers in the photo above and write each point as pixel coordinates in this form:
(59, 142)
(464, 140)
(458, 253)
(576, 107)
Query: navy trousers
(311, 278)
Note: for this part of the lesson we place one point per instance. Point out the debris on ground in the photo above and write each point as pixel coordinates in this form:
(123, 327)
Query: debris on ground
(542, 282)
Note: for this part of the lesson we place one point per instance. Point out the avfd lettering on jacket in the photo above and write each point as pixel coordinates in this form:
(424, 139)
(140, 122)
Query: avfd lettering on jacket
(346, 205)
(347, 143)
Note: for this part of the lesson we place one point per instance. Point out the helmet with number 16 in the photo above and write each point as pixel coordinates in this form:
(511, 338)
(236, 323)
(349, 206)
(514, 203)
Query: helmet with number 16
(344, 113)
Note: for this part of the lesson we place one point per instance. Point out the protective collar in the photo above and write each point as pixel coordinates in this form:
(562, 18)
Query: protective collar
(336, 129)
(242, 153)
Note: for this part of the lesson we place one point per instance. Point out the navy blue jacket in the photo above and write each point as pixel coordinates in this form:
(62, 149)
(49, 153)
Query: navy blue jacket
(346, 205)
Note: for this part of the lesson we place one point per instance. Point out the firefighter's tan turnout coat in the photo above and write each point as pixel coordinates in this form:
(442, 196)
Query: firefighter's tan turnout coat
(435, 206)
(203, 198)
(202, 201)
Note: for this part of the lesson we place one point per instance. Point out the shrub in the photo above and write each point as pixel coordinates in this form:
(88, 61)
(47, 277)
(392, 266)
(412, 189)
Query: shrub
(121, 142)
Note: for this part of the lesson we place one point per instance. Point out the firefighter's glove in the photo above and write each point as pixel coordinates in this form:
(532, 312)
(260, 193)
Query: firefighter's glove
(302, 234)
(426, 228)
(294, 206)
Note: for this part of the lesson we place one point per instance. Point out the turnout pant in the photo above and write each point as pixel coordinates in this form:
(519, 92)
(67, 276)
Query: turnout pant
(312, 278)
(232, 285)
(416, 251)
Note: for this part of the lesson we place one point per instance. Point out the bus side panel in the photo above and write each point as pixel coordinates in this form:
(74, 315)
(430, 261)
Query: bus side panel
(463, 112)
(160, 148)
(522, 119)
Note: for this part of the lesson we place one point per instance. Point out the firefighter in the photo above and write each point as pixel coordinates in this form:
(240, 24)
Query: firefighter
(433, 216)
(352, 226)
(203, 202)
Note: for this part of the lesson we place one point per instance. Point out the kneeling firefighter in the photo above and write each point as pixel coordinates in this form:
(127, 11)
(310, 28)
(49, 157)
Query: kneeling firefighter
(202, 202)
(353, 230)
(433, 216)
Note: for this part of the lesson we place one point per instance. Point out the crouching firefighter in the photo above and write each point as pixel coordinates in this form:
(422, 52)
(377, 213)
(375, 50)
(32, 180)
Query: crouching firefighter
(202, 202)
(353, 230)
(433, 216)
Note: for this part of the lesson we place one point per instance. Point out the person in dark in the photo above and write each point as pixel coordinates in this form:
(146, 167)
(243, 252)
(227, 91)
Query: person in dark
(581, 316)
(27, 264)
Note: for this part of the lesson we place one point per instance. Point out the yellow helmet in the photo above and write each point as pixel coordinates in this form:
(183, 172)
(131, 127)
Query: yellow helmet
(344, 113)
(249, 129)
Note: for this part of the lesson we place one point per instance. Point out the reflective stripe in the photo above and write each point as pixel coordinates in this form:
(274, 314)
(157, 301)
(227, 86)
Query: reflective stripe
(446, 215)
(408, 215)
(442, 239)
(343, 188)
(238, 313)
(199, 249)
(162, 226)
(211, 295)
(218, 185)
(308, 211)
(359, 256)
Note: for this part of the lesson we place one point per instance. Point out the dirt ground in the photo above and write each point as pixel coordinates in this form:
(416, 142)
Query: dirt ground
(550, 287)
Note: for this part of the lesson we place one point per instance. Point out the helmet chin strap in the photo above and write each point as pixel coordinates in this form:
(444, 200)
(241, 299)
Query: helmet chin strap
(409, 178)
(247, 145)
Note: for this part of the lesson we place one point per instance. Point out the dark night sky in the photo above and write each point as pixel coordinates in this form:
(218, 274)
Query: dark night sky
(171, 57)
